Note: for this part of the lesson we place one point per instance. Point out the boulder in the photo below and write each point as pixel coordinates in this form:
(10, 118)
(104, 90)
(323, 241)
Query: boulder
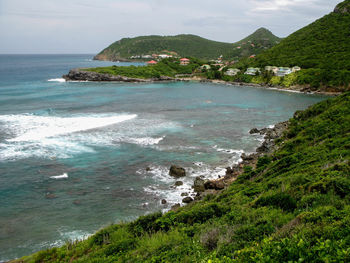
(163, 202)
(187, 200)
(216, 185)
(198, 185)
(254, 130)
(209, 185)
(178, 183)
(184, 194)
(177, 171)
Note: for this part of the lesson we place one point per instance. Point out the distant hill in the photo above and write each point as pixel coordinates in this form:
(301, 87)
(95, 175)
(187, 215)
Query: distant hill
(323, 44)
(254, 44)
(188, 45)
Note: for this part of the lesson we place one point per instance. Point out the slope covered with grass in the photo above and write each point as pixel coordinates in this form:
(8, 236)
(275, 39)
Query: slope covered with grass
(188, 46)
(294, 207)
(323, 44)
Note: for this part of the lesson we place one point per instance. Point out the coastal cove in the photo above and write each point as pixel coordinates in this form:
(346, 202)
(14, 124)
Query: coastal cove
(68, 147)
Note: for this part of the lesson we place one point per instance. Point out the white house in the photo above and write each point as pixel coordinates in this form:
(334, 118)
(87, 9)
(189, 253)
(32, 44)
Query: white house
(232, 72)
(283, 71)
(252, 71)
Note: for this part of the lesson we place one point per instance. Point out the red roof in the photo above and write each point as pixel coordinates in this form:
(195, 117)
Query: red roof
(184, 59)
(152, 62)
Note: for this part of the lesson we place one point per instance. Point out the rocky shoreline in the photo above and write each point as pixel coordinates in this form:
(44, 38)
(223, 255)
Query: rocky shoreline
(203, 187)
(81, 74)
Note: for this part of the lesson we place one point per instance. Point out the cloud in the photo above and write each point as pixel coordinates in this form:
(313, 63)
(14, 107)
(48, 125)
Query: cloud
(82, 26)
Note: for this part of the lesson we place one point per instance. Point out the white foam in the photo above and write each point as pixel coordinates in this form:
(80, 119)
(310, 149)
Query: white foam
(146, 141)
(36, 128)
(57, 80)
(62, 176)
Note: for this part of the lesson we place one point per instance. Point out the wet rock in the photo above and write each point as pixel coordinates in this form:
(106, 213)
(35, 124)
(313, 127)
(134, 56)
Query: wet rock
(216, 185)
(164, 201)
(184, 194)
(229, 171)
(148, 169)
(187, 200)
(178, 183)
(198, 185)
(177, 171)
(254, 131)
(209, 185)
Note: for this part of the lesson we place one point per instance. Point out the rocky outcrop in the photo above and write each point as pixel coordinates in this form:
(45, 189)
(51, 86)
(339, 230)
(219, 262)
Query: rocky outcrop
(84, 75)
(177, 171)
(198, 185)
(187, 200)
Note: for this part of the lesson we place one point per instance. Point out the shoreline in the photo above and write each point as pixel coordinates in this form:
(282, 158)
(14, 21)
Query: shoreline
(80, 75)
(204, 186)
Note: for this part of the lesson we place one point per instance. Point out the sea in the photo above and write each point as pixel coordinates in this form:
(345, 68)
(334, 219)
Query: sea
(78, 156)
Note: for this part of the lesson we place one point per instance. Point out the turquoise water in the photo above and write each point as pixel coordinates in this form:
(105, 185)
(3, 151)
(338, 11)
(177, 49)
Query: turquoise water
(73, 156)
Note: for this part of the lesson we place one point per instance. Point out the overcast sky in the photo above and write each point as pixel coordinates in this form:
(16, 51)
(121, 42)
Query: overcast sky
(87, 26)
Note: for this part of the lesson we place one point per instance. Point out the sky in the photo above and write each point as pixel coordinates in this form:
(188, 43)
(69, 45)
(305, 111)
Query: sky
(88, 26)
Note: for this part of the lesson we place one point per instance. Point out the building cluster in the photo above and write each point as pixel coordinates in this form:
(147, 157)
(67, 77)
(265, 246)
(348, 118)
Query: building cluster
(154, 56)
(277, 71)
(183, 62)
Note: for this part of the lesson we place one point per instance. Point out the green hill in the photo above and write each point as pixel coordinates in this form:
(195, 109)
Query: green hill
(294, 207)
(261, 40)
(323, 44)
(187, 46)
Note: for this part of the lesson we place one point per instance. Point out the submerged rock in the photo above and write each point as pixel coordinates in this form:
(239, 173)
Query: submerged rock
(177, 171)
(184, 194)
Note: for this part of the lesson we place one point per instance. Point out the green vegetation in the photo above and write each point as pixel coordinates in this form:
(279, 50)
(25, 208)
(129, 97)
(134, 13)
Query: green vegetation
(187, 46)
(166, 67)
(313, 79)
(323, 44)
(293, 207)
(256, 43)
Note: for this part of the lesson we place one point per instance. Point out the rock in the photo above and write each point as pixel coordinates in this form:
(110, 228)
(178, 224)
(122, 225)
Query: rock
(219, 185)
(216, 185)
(177, 171)
(187, 200)
(178, 183)
(209, 185)
(148, 169)
(198, 185)
(229, 171)
(184, 194)
(82, 74)
(175, 207)
(163, 202)
(254, 130)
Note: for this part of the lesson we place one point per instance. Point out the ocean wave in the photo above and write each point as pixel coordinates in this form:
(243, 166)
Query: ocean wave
(62, 176)
(36, 128)
(57, 80)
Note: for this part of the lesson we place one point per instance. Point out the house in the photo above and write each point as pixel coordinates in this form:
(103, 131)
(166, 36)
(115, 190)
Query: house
(283, 71)
(184, 61)
(252, 71)
(232, 72)
(164, 56)
(152, 62)
(205, 66)
(296, 68)
(274, 69)
(146, 56)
